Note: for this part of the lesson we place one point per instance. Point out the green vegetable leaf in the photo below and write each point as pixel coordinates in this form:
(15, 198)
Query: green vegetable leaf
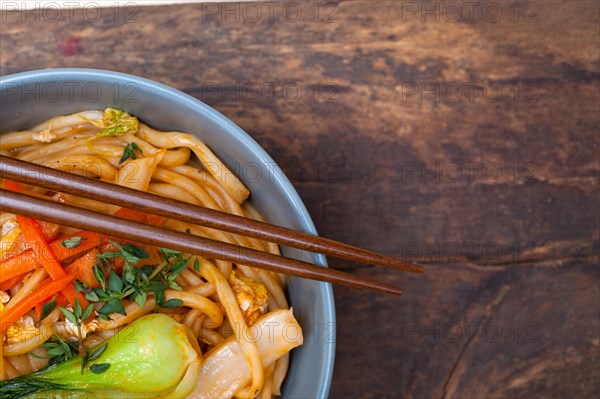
(114, 282)
(87, 312)
(141, 298)
(172, 303)
(59, 350)
(99, 368)
(113, 305)
(129, 152)
(48, 308)
(97, 352)
(117, 122)
(72, 242)
(68, 314)
(196, 265)
(77, 311)
(99, 274)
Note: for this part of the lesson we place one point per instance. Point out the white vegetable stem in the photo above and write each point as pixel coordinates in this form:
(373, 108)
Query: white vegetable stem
(224, 370)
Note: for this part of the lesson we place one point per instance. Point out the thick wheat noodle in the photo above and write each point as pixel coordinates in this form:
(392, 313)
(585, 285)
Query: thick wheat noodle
(10, 371)
(133, 312)
(20, 363)
(213, 165)
(85, 163)
(23, 347)
(190, 317)
(252, 213)
(205, 289)
(61, 127)
(281, 368)
(216, 191)
(236, 319)
(187, 184)
(171, 191)
(195, 301)
(266, 392)
(28, 287)
(40, 151)
(208, 335)
(192, 279)
(35, 362)
(197, 326)
(224, 267)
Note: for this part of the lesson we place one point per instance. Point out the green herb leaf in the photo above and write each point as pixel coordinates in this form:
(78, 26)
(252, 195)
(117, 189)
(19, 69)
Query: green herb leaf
(172, 303)
(114, 282)
(97, 352)
(72, 242)
(48, 308)
(196, 265)
(68, 314)
(129, 152)
(87, 312)
(77, 311)
(99, 368)
(141, 298)
(113, 305)
(99, 274)
(104, 316)
(177, 269)
(59, 350)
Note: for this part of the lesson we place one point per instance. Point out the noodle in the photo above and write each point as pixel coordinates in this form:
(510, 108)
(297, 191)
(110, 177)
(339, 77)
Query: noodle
(214, 298)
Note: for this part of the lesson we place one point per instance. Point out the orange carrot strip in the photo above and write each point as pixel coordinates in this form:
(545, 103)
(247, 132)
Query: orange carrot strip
(84, 268)
(11, 282)
(26, 261)
(12, 185)
(71, 294)
(43, 252)
(13, 314)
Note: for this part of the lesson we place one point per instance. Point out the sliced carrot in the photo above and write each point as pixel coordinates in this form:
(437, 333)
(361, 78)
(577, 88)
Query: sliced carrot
(84, 268)
(12, 185)
(11, 282)
(130, 214)
(60, 301)
(26, 261)
(71, 294)
(139, 216)
(19, 309)
(49, 231)
(43, 253)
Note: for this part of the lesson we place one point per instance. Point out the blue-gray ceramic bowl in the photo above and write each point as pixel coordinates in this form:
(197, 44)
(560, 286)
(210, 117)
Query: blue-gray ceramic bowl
(32, 97)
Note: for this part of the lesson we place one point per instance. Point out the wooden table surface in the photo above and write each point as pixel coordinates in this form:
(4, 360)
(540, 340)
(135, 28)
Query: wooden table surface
(468, 144)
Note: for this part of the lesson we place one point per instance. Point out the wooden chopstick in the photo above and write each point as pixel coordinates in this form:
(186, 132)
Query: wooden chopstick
(84, 219)
(57, 180)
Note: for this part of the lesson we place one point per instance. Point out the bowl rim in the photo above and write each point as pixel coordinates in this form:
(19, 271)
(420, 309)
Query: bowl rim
(256, 150)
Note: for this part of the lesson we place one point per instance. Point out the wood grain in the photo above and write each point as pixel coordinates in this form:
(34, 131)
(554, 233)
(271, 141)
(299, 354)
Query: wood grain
(471, 146)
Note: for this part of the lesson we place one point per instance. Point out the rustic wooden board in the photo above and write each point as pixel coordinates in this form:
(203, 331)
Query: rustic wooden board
(471, 146)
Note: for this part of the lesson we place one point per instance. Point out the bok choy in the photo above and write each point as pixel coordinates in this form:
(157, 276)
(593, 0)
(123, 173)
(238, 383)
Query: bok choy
(152, 357)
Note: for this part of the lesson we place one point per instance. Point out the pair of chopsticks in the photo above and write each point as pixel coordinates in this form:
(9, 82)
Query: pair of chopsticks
(55, 212)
